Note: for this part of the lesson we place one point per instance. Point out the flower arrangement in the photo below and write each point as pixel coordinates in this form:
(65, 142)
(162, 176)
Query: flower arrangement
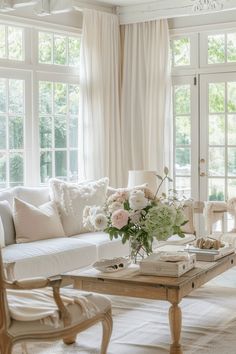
(139, 217)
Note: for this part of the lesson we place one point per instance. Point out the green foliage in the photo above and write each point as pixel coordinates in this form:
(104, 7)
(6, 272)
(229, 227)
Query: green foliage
(216, 49)
(181, 51)
(216, 195)
(16, 169)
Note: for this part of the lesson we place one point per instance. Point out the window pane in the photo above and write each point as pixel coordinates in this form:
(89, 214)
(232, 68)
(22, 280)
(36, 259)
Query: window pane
(232, 161)
(16, 96)
(3, 95)
(217, 97)
(16, 133)
(231, 188)
(231, 96)
(2, 41)
(182, 99)
(45, 47)
(216, 49)
(216, 189)
(216, 130)
(60, 131)
(74, 51)
(2, 132)
(232, 129)
(231, 47)
(60, 164)
(59, 49)
(216, 161)
(45, 166)
(182, 161)
(181, 51)
(46, 132)
(45, 97)
(16, 169)
(15, 43)
(183, 186)
(183, 130)
(74, 131)
(73, 166)
(60, 95)
(74, 99)
(3, 170)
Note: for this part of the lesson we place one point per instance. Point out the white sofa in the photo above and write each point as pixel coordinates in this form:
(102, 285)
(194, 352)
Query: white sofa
(52, 256)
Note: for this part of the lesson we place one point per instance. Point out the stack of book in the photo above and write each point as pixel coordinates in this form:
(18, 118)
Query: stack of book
(167, 264)
(210, 255)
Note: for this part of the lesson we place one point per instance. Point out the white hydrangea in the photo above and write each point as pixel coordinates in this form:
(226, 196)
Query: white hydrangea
(137, 200)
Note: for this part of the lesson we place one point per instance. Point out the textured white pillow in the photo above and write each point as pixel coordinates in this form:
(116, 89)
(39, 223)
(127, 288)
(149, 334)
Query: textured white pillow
(72, 198)
(36, 223)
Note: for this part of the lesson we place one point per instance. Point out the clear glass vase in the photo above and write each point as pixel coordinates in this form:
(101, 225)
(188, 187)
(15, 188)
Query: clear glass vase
(138, 249)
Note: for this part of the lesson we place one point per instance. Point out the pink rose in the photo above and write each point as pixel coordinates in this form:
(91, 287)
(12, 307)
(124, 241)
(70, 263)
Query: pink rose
(120, 218)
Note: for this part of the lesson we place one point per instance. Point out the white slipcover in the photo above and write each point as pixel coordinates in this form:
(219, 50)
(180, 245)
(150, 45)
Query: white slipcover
(47, 257)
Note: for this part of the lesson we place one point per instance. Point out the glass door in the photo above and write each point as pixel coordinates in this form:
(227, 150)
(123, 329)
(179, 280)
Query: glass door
(217, 160)
(185, 132)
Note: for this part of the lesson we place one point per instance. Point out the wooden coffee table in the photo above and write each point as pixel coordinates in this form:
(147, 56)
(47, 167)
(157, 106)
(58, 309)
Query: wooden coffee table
(129, 282)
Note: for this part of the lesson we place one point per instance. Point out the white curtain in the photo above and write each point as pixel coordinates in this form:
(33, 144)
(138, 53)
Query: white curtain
(145, 101)
(99, 117)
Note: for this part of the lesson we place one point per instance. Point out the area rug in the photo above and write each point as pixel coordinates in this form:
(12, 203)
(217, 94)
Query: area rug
(141, 326)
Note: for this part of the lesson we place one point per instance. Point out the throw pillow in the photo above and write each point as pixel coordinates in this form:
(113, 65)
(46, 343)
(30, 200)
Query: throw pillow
(7, 223)
(72, 198)
(36, 223)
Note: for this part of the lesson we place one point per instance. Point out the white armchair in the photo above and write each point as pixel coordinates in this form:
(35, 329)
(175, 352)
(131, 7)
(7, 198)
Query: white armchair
(72, 320)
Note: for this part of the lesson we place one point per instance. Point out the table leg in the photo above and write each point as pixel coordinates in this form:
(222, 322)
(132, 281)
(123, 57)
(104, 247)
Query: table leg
(175, 320)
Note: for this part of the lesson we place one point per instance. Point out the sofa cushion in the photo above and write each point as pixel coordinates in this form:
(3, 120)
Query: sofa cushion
(105, 247)
(33, 195)
(47, 257)
(36, 223)
(7, 222)
(72, 198)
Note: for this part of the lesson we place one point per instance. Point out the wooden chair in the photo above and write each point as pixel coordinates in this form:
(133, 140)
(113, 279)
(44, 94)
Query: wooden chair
(12, 331)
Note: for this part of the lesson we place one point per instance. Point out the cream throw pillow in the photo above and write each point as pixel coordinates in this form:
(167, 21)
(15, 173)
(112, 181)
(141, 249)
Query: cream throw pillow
(72, 198)
(36, 223)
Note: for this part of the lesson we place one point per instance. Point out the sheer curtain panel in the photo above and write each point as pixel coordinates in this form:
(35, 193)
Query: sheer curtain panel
(99, 118)
(145, 100)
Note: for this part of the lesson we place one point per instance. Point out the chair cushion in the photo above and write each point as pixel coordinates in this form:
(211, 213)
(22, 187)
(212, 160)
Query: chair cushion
(78, 316)
(72, 198)
(36, 223)
(47, 257)
(7, 222)
(105, 247)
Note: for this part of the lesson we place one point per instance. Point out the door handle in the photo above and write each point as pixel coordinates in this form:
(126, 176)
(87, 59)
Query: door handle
(203, 174)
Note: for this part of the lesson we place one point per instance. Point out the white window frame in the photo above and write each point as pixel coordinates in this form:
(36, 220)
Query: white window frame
(31, 71)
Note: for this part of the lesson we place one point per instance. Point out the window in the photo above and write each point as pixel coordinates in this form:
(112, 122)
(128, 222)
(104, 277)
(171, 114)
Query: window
(204, 112)
(39, 105)
(11, 132)
(11, 43)
(222, 48)
(180, 51)
(58, 112)
(58, 49)
(182, 138)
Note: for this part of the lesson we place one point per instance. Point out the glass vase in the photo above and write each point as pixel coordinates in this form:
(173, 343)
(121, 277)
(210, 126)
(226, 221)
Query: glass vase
(138, 249)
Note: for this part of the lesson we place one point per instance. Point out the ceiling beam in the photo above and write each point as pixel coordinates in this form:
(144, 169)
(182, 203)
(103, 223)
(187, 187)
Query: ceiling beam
(163, 9)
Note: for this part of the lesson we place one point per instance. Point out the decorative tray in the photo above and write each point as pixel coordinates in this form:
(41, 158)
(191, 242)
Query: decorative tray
(112, 265)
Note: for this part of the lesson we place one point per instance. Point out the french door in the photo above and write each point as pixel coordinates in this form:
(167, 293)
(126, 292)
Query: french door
(205, 136)
(217, 139)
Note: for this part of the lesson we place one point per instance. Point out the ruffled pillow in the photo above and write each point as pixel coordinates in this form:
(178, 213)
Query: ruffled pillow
(71, 199)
